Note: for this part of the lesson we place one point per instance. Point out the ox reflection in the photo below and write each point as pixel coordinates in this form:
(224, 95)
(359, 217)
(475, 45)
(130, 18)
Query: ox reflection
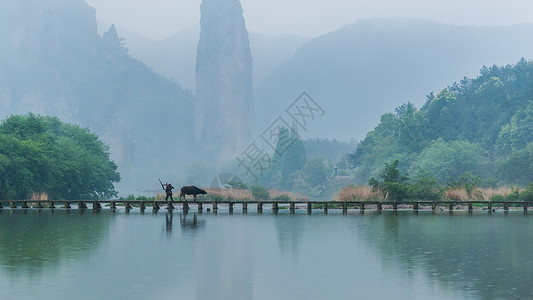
(188, 222)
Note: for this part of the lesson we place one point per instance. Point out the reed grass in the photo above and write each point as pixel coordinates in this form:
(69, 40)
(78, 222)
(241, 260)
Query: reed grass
(239, 194)
(480, 194)
(39, 196)
(358, 193)
(365, 193)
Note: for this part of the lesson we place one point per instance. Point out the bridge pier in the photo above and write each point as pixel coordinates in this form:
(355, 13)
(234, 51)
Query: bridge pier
(490, 207)
(309, 208)
(142, 206)
(379, 207)
(292, 208)
(67, 205)
(506, 206)
(525, 206)
(325, 208)
(345, 208)
(12, 205)
(450, 206)
(155, 206)
(185, 206)
(200, 208)
(96, 205)
(231, 207)
(215, 206)
(395, 206)
(82, 205)
(25, 204)
(128, 205)
(259, 208)
(275, 208)
(170, 206)
(415, 206)
(244, 208)
(470, 206)
(51, 205)
(362, 207)
(39, 205)
(434, 206)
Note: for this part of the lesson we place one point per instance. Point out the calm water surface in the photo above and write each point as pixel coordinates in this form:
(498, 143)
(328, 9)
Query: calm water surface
(72, 255)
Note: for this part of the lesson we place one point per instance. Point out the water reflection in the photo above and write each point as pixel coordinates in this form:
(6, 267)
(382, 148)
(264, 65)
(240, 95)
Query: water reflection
(225, 260)
(289, 231)
(191, 223)
(424, 256)
(188, 222)
(32, 240)
(486, 256)
(168, 223)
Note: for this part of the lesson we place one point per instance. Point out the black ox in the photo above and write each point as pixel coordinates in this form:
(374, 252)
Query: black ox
(191, 190)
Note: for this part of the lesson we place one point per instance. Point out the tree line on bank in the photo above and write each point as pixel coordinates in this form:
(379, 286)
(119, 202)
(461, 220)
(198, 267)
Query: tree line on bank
(41, 154)
(395, 185)
(477, 128)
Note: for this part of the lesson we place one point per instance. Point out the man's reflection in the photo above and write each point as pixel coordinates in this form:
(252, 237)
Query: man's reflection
(168, 222)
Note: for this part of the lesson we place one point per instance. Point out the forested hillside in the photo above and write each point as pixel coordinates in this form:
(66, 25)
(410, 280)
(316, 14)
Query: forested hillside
(483, 126)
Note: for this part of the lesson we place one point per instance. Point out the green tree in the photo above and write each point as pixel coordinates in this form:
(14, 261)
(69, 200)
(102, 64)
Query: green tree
(425, 186)
(414, 129)
(380, 146)
(517, 167)
(391, 182)
(43, 154)
(315, 172)
(236, 184)
(259, 192)
(287, 163)
(518, 132)
(452, 159)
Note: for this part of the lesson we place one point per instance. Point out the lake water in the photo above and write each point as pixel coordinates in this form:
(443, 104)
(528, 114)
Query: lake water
(85, 255)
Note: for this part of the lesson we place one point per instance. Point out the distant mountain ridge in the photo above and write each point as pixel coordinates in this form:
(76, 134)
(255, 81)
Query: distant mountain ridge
(175, 56)
(367, 68)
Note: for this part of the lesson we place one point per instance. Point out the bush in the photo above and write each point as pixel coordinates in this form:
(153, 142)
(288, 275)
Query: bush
(210, 197)
(497, 198)
(282, 197)
(259, 192)
(397, 191)
(527, 195)
(426, 187)
(237, 185)
(514, 195)
(392, 182)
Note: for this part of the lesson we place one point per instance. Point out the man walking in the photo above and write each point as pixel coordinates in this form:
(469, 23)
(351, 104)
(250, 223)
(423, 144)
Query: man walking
(168, 190)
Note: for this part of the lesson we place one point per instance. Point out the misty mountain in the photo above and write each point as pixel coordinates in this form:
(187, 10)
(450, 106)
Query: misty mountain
(53, 62)
(175, 56)
(365, 69)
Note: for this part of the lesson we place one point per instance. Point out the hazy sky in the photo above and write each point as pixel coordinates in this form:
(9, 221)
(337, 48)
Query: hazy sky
(160, 18)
